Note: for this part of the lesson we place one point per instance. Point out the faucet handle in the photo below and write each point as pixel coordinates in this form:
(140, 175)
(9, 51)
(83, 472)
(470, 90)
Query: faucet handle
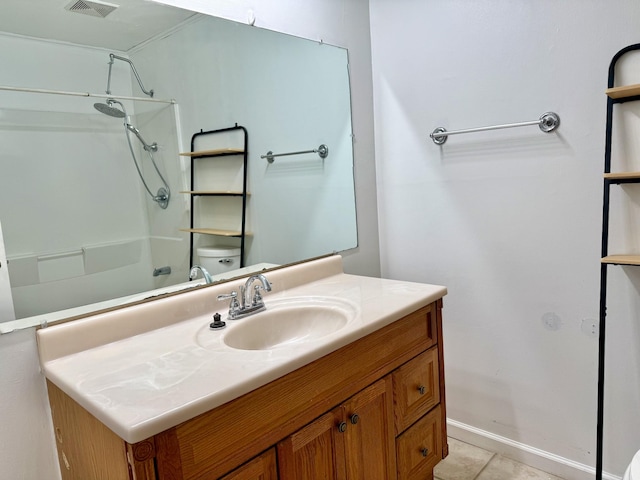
(257, 297)
(225, 296)
(234, 305)
(233, 296)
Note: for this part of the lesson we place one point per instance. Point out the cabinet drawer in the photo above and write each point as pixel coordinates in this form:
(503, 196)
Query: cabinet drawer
(416, 388)
(419, 449)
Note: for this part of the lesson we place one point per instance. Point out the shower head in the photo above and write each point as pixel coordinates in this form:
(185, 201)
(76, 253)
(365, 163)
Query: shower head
(110, 110)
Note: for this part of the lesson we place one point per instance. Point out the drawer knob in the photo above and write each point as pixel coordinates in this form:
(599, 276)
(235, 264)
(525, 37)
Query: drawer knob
(354, 418)
(421, 389)
(342, 427)
(424, 452)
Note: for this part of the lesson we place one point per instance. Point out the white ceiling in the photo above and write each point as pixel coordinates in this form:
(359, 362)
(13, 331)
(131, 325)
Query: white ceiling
(133, 22)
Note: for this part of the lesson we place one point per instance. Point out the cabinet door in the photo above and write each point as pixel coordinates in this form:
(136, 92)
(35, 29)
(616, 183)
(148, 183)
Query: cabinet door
(369, 439)
(314, 452)
(262, 467)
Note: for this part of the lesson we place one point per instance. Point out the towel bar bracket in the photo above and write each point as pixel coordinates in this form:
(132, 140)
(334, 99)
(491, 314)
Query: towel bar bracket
(436, 136)
(549, 122)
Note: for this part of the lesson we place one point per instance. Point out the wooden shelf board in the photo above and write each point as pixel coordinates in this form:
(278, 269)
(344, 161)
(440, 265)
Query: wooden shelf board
(622, 175)
(213, 192)
(211, 153)
(624, 91)
(622, 259)
(216, 231)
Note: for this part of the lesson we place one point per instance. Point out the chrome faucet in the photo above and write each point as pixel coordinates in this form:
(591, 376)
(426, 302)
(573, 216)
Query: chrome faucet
(194, 273)
(245, 291)
(248, 304)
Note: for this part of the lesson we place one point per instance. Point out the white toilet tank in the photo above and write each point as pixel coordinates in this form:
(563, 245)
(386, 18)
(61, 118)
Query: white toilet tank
(633, 472)
(219, 259)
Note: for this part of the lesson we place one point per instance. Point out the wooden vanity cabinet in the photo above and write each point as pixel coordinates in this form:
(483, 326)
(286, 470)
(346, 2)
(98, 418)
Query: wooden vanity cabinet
(385, 392)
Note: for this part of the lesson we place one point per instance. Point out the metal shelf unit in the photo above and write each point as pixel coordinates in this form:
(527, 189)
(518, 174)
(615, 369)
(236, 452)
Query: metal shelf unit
(615, 95)
(242, 194)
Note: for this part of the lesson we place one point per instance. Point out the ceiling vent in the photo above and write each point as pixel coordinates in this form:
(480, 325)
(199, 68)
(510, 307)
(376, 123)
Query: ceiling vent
(93, 7)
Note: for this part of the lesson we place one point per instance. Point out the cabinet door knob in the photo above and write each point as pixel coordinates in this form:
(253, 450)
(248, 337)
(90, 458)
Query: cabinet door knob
(354, 418)
(424, 452)
(342, 427)
(421, 389)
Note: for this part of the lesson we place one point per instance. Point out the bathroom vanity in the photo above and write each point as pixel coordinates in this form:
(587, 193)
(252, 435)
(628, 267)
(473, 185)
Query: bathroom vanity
(150, 392)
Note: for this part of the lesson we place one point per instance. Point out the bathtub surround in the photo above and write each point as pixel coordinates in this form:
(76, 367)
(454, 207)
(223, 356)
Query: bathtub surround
(81, 145)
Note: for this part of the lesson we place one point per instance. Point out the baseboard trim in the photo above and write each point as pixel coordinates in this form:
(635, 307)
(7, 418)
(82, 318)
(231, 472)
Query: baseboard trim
(540, 459)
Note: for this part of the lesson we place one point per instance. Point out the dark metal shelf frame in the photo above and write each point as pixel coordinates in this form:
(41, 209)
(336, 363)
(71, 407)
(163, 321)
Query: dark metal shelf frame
(245, 154)
(605, 246)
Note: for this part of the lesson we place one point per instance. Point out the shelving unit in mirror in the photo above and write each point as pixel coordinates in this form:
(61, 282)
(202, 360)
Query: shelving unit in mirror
(212, 180)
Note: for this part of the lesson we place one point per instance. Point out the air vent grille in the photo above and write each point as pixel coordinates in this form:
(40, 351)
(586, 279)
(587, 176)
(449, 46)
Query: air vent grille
(93, 8)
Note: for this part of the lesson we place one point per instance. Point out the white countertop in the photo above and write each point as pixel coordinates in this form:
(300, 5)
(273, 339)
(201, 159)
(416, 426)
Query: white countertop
(146, 368)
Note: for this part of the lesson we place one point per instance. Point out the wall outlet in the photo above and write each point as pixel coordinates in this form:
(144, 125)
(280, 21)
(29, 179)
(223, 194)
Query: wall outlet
(590, 327)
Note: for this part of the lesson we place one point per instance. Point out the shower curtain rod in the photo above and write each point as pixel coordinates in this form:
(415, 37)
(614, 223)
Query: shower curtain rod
(83, 94)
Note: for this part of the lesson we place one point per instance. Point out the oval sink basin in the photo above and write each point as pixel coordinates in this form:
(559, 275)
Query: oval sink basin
(290, 321)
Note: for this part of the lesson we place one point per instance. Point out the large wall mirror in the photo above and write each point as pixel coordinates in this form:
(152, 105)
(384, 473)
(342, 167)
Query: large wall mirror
(81, 231)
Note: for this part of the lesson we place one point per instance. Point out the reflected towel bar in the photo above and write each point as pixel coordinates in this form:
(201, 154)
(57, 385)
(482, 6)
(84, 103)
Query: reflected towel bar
(548, 122)
(322, 150)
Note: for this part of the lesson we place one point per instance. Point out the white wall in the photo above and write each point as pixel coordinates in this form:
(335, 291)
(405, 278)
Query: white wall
(343, 23)
(27, 449)
(290, 94)
(509, 220)
(27, 455)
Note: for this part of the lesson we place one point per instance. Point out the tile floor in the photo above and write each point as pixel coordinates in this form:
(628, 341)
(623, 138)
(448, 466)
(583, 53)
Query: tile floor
(467, 462)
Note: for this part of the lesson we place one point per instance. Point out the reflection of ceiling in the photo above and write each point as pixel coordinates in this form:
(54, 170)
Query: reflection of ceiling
(133, 22)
